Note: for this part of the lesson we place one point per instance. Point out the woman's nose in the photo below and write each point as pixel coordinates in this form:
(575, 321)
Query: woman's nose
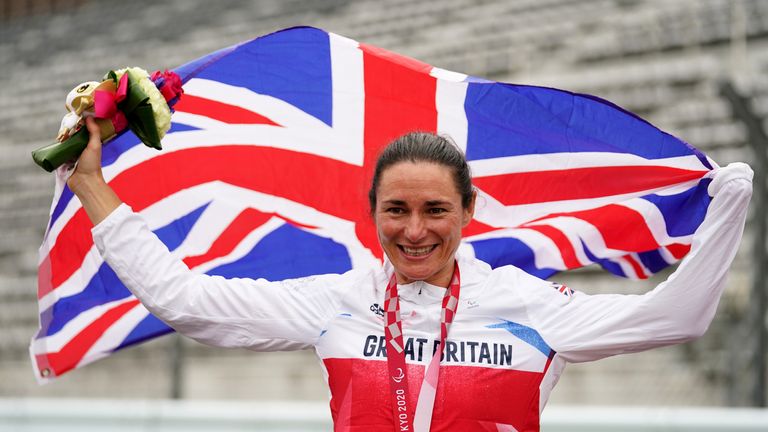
(415, 229)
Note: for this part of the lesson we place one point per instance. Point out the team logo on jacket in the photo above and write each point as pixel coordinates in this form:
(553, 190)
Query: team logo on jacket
(378, 310)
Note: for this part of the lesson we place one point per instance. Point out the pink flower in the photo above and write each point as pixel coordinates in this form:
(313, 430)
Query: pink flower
(169, 85)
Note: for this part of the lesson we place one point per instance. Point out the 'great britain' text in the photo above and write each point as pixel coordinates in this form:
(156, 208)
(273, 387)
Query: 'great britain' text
(418, 349)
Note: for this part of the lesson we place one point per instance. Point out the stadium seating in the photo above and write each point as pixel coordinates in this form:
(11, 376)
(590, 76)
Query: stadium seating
(662, 60)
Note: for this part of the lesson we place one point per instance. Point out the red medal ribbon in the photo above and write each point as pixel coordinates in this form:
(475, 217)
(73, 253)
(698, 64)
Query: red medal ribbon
(406, 416)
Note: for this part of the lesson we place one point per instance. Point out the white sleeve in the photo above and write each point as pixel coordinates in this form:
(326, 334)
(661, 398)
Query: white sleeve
(588, 327)
(254, 314)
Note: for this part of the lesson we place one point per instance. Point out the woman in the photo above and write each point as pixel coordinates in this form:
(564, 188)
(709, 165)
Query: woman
(504, 336)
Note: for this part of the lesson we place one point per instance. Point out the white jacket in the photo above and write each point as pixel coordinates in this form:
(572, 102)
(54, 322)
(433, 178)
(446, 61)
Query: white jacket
(509, 343)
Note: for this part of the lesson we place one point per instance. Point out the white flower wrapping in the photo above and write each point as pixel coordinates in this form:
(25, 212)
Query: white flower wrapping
(160, 109)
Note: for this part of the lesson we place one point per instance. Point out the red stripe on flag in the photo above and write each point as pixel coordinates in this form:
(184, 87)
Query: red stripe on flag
(639, 271)
(580, 183)
(243, 225)
(44, 277)
(72, 244)
(678, 250)
(399, 64)
(561, 241)
(622, 228)
(399, 98)
(220, 111)
(476, 227)
(71, 354)
(268, 170)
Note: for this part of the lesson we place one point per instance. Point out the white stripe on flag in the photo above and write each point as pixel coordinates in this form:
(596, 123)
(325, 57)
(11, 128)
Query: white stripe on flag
(75, 283)
(449, 101)
(348, 96)
(196, 120)
(244, 246)
(218, 215)
(56, 341)
(546, 252)
(115, 335)
(277, 110)
(561, 161)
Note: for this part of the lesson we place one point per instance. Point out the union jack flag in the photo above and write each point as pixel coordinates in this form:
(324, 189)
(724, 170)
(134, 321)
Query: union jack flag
(265, 170)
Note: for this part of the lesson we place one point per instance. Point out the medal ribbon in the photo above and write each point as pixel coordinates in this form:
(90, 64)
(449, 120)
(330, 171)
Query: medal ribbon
(393, 330)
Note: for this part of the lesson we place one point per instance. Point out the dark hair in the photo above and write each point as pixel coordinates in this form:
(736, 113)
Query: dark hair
(425, 147)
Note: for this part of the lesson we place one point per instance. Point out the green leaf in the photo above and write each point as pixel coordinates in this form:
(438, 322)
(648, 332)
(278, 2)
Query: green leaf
(142, 122)
(54, 155)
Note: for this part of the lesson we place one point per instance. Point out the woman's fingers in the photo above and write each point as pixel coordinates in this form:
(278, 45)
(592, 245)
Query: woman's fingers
(90, 160)
(88, 168)
(87, 182)
(94, 134)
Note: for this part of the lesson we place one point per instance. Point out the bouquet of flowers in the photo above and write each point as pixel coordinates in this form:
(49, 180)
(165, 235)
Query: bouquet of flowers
(128, 98)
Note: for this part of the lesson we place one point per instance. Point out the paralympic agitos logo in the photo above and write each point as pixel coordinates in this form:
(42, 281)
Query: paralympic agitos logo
(400, 375)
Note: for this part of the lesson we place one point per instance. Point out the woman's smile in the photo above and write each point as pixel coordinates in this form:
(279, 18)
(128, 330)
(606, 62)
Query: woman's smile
(417, 252)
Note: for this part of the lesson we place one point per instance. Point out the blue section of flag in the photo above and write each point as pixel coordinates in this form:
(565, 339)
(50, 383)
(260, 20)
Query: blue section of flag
(653, 261)
(64, 199)
(104, 287)
(683, 212)
(524, 333)
(149, 328)
(303, 80)
(175, 232)
(273, 259)
(115, 148)
(189, 70)
(509, 251)
(606, 264)
(513, 120)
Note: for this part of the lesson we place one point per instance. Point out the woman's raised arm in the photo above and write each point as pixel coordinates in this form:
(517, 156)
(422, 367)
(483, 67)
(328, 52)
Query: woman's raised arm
(254, 314)
(87, 181)
(588, 327)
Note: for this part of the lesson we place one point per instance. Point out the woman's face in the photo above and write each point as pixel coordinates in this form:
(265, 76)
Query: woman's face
(419, 218)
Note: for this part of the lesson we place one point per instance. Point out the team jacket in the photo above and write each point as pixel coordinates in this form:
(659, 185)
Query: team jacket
(510, 341)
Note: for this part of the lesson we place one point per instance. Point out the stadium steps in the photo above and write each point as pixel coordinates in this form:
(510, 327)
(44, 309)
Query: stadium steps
(659, 58)
(659, 375)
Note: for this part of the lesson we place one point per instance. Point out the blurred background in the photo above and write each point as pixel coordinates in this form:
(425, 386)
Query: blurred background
(695, 68)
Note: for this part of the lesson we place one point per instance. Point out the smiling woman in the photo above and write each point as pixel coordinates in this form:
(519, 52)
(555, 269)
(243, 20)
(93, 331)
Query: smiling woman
(421, 198)
(486, 345)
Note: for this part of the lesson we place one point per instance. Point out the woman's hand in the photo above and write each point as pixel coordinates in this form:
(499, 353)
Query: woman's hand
(87, 181)
(722, 175)
(88, 169)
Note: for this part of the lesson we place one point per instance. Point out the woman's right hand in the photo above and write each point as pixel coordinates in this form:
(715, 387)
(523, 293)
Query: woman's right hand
(87, 181)
(88, 168)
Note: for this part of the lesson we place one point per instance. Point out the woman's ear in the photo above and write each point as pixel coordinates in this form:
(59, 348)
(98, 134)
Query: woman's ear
(469, 212)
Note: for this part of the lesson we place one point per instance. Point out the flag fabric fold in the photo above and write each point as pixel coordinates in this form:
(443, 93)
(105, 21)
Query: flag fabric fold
(265, 171)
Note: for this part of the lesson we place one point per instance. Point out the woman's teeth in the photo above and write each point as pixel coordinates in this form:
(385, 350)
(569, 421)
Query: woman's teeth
(418, 251)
